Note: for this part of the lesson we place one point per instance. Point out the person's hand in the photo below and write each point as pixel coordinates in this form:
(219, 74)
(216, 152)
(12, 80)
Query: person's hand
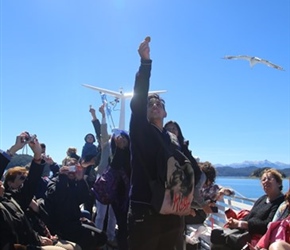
(144, 49)
(34, 206)
(47, 159)
(102, 110)
(232, 223)
(44, 241)
(64, 170)
(192, 212)
(93, 112)
(79, 174)
(19, 143)
(2, 189)
(36, 149)
(85, 164)
(19, 247)
(206, 208)
(219, 195)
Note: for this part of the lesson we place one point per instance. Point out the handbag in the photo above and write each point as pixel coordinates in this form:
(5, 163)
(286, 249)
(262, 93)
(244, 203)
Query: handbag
(106, 185)
(234, 239)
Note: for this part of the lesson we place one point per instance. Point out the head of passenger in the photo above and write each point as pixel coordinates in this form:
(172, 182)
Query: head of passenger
(173, 127)
(72, 166)
(90, 138)
(15, 177)
(120, 140)
(156, 110)
(209, 171)
(271, 181)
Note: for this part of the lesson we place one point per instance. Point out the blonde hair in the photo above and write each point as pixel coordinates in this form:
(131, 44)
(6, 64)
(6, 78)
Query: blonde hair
(71, 150)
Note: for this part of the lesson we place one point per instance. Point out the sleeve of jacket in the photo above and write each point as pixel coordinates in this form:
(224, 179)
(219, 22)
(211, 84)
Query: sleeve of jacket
(141, 87)
(97, 128)
(4, 160)
(31, 184)
(105, 152)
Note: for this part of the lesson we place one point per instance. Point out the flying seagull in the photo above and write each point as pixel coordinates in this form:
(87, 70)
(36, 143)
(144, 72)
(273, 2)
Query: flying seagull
(254, 60)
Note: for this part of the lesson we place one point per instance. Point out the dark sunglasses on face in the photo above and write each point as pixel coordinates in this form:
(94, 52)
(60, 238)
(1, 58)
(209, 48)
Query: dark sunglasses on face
(22, 178)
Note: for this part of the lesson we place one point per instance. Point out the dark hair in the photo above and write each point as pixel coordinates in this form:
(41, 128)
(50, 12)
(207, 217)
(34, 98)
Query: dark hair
(157, 97)
(209, 170)
(42, 145)
(180, 136)
(113, 144)
(88, 135)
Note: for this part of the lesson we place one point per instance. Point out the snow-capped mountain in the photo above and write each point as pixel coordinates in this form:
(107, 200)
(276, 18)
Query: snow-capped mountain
(258, 164)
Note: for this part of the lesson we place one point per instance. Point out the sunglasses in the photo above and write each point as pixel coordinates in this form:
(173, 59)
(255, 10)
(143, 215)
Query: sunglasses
(22, 178)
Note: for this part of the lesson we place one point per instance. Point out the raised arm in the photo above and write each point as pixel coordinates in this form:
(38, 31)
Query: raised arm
(105, 145)
(5, 156)
(141, 87)
(30, 185)
(96, 122)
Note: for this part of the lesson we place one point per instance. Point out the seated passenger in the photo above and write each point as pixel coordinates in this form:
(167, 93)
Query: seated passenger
(66, 193)
(264, 208)
(210, 192)
(277, 235)
(15, 229)
(14, 179)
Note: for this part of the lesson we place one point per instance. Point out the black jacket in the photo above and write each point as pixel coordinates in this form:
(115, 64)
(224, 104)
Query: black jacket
(14, 226)
(62, 203)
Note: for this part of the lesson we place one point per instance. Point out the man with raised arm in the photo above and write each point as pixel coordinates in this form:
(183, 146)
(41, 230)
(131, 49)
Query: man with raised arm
(147, 228)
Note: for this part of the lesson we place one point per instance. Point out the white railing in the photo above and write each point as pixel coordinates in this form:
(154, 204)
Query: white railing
(217, 220)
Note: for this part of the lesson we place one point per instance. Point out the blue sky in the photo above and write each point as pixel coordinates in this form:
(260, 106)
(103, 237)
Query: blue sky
(228, 111)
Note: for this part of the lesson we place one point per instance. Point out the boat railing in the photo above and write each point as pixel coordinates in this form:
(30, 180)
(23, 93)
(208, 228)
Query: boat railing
(218, 220)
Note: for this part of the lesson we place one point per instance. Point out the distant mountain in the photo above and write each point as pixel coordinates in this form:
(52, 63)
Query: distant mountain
(257, 164)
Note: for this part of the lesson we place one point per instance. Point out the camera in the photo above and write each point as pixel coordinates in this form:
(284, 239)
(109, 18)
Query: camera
(72, 168)
(29, 138)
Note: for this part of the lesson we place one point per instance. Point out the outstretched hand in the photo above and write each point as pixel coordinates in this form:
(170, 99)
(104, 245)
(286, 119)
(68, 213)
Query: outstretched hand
(102, 110)
(93, 112)
(19, 143)
(144, 49)
(36, 148)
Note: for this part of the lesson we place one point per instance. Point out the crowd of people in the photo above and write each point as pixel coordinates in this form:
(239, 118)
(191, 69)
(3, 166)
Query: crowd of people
(47, 206)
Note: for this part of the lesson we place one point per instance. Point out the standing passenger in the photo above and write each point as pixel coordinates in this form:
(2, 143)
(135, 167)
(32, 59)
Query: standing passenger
(147, 228)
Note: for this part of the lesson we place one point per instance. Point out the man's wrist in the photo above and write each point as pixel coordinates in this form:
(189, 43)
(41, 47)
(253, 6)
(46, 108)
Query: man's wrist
(146, 61)
(10, 153)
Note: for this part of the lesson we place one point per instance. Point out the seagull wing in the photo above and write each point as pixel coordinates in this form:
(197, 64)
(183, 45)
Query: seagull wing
(275, 66)
(238, 57)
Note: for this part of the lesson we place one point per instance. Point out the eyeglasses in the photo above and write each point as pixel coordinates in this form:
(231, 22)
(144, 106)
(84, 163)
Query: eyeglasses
(158, 104)
(153, 101)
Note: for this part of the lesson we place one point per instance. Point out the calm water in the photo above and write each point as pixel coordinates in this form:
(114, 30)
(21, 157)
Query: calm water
(250, 188)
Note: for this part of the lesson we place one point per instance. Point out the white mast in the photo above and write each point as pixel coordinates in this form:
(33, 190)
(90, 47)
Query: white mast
(122, 97)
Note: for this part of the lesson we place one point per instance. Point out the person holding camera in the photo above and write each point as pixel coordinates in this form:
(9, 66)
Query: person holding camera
(65, 194)
(15, 229)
